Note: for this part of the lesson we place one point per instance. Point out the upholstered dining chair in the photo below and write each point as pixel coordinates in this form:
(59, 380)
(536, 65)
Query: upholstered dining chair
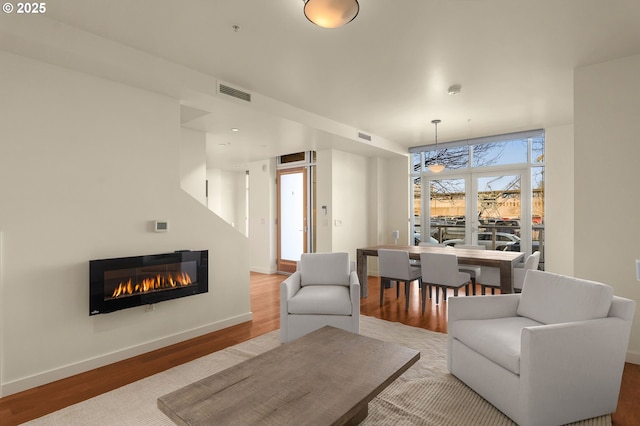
(416, 262)
(474, 271)
(519, 272)
(394, 265)
(491, 275)
(441, 271)
(324, 290)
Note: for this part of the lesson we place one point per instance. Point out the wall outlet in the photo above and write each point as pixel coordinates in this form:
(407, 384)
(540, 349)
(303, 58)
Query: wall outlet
(638, 269)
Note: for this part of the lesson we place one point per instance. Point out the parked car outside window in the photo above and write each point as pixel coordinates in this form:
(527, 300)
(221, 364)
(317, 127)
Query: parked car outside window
(511, 226)
(503, 240)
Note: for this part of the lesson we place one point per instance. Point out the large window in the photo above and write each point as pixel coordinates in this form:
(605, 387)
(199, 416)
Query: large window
(491, 192)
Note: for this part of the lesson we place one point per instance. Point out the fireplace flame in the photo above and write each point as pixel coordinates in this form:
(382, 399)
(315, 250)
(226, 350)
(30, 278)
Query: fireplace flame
(159, 282)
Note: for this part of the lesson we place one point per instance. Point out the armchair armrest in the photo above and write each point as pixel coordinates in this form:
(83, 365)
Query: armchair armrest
(290, 286)
(354, 290)
(573, 362)
(353, 278)
(482, 307)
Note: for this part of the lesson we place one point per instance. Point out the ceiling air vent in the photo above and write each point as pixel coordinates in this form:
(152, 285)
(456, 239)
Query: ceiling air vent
(236, 93)
(364, 136)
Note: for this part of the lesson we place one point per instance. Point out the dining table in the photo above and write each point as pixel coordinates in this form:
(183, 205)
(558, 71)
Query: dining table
(504, 260)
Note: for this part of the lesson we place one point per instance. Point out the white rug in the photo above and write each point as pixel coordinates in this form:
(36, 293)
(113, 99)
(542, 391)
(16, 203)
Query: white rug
(426, 394)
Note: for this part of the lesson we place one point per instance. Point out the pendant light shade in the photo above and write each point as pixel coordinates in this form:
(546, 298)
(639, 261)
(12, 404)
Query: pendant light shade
(436, 167)
(331, 13)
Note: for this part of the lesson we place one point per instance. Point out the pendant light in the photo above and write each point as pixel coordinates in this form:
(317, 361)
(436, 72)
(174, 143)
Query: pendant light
(331, 13)
(436, 167)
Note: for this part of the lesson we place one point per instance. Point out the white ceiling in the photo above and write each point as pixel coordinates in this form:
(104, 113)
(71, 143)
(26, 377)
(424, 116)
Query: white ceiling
(385, 74)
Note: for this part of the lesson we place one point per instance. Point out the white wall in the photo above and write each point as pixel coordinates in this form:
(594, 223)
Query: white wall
(227, 197)
(324, 197)
(398, 200)
(607, 224)
(366, 199)
(262, 217)
(349, 200)
(193, 165)
(86, 165)
(377, 197)
(559, 200)
(343, 186)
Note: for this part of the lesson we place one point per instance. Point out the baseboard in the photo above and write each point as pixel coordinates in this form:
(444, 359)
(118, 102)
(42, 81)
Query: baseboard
(268, 271)
(110, 358)
(633, 357)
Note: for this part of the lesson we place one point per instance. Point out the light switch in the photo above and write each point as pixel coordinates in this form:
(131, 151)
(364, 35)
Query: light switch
(638, 269)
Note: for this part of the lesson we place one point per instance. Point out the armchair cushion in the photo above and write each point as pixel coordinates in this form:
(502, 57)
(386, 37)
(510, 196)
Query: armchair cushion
(321, 300)
(551, 298)
(324, 268)
(497, 339)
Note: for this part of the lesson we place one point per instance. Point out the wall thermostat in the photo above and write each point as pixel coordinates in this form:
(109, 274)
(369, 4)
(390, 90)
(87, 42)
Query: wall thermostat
(161, 226)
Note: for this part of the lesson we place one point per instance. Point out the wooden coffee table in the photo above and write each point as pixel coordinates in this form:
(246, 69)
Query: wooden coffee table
(327, 377)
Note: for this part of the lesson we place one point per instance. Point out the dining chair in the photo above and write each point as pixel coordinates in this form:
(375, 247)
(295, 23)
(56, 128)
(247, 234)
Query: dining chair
(490, 279)
(532, 262)
(474, 271)
(441, 271)
(416, 262)
(394, 265)
(491, 276)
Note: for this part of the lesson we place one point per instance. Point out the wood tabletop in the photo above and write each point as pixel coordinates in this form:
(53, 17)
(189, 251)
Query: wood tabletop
(483, 256)
(327, 377)
(504, 260)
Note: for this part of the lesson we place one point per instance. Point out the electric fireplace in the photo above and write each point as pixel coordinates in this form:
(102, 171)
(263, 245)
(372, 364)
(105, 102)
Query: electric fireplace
(127, 282)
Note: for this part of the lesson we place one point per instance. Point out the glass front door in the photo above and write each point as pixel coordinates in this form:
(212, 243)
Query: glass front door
(446, 211)
(499, 206)
(476, 209)
(292, 217)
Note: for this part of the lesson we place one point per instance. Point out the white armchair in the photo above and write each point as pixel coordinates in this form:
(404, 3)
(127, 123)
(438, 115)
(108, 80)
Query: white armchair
(324, 290)
(551, 355)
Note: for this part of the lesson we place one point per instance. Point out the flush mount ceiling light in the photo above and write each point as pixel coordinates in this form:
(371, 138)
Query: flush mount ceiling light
(331, 13)
(436, 167)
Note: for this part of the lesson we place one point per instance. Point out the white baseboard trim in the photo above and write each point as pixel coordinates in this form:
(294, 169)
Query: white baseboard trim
(268, 271)
(633, 357)
(110, 358)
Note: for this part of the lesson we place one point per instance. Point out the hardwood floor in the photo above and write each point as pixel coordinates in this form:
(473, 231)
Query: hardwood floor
(34, 403)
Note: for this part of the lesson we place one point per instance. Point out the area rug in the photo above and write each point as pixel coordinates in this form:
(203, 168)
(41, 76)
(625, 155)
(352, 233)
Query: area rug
(426, 394)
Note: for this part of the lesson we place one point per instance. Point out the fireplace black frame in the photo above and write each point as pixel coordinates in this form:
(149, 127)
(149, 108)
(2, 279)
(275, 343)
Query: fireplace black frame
(100, 304)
